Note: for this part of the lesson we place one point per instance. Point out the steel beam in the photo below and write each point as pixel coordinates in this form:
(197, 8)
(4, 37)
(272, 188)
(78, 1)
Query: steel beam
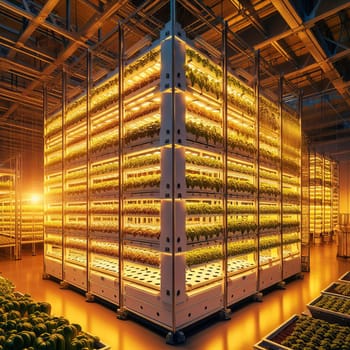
(90, 29)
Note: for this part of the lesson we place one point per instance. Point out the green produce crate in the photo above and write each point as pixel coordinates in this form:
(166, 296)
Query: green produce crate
(268, 345)
(310, 333)
(328, 315)
(273, 340)
(332, 289)
(345, 277)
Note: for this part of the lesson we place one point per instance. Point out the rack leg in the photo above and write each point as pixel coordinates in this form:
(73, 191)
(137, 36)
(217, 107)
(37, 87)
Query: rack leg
(281, 285)
(258, 297)
(225, 314)
(89, 297)
(45, 276)
(122, 314)
(64, 285)
(175, 338)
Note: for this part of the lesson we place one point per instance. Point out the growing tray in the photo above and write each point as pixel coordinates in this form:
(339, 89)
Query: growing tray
(328, 315)
(331, 290)
(345, 277)
(274, 339)
(268, 345)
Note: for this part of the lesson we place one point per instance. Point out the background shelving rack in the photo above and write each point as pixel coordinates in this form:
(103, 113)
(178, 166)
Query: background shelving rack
(21, 214)
(324, 198)
(9, 209)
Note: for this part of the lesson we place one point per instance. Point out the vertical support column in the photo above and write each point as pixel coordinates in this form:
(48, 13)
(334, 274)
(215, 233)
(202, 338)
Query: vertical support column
(45, 114)
(257, 109)
(88, 134)
(305, 202)
(280, 101)
(18, 211)
(172, 184)
(225, 174)
(173, 120)
(64, 105)
(121, 312)
(323, 230)
(174, 336)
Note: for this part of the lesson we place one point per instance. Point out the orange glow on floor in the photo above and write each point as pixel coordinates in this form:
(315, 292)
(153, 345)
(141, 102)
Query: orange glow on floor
(248, 324)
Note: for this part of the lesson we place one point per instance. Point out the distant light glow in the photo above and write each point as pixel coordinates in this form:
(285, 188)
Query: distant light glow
(35, 198)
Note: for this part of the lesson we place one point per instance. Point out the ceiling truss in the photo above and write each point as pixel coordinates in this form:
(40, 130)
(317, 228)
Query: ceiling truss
(305, 42)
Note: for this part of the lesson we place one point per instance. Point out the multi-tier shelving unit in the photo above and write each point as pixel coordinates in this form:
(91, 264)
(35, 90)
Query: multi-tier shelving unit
(316, 196)
(291, 195)
(21, 215)
(167, 192)
(8, 210)
(334, 195)
(305, 204)
(31, 221)
(324, 201)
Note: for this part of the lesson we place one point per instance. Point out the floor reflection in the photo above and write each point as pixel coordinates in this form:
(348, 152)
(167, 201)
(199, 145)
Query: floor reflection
(248, 324)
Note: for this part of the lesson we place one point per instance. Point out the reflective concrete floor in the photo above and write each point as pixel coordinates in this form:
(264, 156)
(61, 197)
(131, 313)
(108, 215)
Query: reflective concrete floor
(248, 324)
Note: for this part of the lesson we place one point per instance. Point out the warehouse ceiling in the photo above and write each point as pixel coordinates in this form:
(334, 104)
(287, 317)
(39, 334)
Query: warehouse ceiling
(303, 48)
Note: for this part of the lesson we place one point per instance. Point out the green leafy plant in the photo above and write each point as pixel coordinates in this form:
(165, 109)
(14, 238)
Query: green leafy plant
(206, 231)
(103, 142)
(104, 185)
(203, 182)
(6, 286)
(142, 231)
(291, 194)
(241, 168)
(269, 155)
(333, 303)
(203, 81)
(268, 242)
(203, 255)
(147, 181)
(53, 126)
(269, 224)
(269, 189)
(150, 57)
(241, 209)
(143, 209)
(204, 161)
(269, 209)
(203, 209)
(237, 185)
(241, 142)
(111, 167)
(141, 161)
(151, 109)
(268, 175)
(247, 131)
(290, 238)
(149, 130)
(315, 334)
(209, 133)
(242, 227)
(269, 114)
(203, 113)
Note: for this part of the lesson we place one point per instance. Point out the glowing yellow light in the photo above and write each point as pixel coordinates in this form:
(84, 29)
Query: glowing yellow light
(35, 198)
